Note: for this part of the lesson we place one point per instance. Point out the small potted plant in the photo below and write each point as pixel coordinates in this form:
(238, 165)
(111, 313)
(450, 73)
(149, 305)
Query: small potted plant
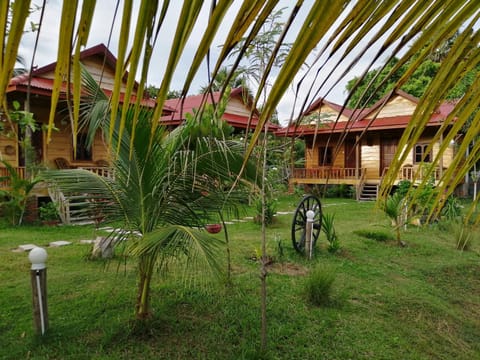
(49, 214)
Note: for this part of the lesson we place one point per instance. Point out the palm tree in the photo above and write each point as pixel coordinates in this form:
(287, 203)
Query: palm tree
(223, 79)
(164, 195)
(395, 207)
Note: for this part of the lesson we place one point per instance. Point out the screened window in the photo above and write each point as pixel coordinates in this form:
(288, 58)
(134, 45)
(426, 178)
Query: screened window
(420, 154)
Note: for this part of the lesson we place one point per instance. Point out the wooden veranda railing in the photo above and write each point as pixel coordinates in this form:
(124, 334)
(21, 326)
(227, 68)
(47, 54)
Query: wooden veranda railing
(5, 174)
(99, 170)
(416, 173)
(327, 173)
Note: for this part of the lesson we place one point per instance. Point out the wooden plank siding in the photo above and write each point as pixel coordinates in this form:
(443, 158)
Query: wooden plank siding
(61, 144)
(398, 106)
(370, 156)
(236, 106)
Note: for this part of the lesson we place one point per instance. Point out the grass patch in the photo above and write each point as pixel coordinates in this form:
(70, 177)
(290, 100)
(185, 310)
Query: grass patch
(417, 302)
(374, 234)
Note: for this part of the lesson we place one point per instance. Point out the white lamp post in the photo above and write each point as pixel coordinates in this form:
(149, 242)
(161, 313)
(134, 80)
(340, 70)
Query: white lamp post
(38, 275)
(309, 234)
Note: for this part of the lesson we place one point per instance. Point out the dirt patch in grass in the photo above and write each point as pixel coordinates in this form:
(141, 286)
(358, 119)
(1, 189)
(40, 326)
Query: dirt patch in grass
(344, 253)
(287, 269)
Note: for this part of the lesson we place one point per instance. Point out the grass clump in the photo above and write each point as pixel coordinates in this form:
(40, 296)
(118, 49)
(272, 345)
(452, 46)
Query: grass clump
(374, 234)
(319, 286)
(464, 235)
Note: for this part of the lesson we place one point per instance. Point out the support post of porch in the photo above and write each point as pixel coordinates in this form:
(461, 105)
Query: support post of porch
(357, 167)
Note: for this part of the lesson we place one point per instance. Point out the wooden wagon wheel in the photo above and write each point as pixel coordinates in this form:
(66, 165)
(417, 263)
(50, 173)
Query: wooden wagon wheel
(299, 224)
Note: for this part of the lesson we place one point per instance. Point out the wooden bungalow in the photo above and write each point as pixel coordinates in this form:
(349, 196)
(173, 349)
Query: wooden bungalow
(238, 111)
(100, 63)
(58, 153)
(356, 148)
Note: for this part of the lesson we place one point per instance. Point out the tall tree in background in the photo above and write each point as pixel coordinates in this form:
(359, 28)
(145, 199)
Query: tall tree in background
(258, 58)
(223, 78)
(377, 82)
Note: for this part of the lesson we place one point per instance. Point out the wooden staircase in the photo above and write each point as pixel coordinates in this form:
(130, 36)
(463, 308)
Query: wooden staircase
(74, 209)
(369, 192)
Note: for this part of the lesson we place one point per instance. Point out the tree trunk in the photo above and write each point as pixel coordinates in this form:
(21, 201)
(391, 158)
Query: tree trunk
(263, 266)
(142, 307)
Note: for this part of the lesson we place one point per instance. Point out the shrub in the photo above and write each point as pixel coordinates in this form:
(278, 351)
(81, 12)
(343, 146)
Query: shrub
(343, 191)
(48, 212)
(270, 211)
(14, 201)
(374, 234)
(451, 209)
(319, 286)
(328, 228)
(403, 187)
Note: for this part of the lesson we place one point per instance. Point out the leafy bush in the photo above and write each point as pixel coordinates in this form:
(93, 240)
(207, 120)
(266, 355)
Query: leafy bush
(424, 201)
(403, 188)
(338, 191)
(328, 228)
(319, 286)
(420, 200)
(270, 211)
(48, 212)
(451, 209)
(395, 208)
(14, 200)
(374, 234)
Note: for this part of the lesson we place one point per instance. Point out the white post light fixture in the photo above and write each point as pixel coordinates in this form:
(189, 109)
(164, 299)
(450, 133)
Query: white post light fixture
(38, 258)
(38, 274)
(309, 233)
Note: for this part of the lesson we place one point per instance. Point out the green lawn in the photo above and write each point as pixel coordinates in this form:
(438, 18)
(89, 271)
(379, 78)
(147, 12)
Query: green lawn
(417, 302)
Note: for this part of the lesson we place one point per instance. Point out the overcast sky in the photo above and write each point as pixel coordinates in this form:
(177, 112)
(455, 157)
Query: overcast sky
(47, 48)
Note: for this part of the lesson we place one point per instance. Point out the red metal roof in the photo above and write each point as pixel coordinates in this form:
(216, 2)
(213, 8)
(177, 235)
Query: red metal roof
(43, 86)
(192, 102)
(359, 123)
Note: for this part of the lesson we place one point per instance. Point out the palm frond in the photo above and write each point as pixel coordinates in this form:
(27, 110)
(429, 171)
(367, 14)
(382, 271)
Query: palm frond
(94, 108)
(9, 50)
(102, 192)
(195, 250)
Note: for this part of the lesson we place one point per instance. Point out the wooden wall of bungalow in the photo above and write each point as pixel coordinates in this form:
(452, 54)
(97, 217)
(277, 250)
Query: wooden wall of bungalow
(103, 75)
(370, 153)
(61, 144)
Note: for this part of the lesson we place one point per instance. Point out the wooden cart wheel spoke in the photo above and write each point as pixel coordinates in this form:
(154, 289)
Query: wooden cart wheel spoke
(299, 224)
